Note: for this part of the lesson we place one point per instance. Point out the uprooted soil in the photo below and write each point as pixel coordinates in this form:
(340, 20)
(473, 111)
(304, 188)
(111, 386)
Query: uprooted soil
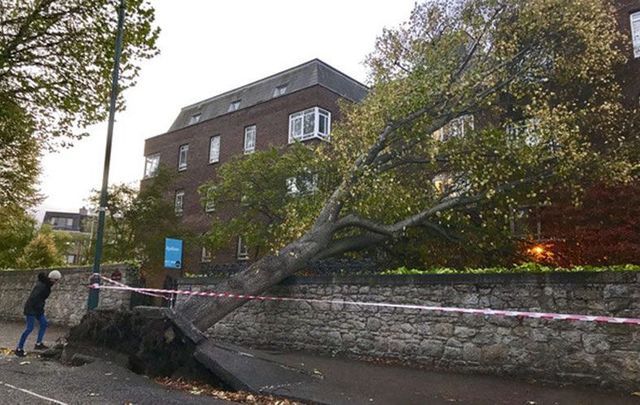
(152, 345)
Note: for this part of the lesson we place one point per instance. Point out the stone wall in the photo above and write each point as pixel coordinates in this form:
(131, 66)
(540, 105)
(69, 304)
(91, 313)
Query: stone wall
(560, 351)
(67, 303)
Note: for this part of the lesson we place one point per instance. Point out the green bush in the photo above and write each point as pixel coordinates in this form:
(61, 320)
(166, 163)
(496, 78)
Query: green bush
(522, 268)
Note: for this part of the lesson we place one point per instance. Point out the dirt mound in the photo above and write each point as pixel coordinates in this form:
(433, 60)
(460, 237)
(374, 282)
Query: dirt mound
(148, 338)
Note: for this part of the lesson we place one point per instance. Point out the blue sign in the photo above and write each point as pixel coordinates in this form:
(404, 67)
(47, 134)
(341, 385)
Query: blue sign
(172, 253)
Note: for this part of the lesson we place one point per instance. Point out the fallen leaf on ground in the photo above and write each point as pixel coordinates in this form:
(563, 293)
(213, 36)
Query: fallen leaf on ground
(24, 363)
(240, 397)
(636, 394)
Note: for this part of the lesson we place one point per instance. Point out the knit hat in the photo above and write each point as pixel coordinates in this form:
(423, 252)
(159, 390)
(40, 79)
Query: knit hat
(55, 275)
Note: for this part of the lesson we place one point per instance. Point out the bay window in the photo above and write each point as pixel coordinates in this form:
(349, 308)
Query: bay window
(311, 123)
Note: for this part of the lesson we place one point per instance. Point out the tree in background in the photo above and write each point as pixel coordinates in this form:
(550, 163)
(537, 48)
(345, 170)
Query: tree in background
(449, 61)
(56, 59)
(137, 223)
(17, 229)
(19, 153)
(41, 252)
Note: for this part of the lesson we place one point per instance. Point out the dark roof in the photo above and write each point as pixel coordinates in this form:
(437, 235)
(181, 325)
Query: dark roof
(76, 217)
(314, 72)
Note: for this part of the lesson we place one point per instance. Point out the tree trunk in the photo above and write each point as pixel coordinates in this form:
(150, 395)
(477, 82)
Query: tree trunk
(204, 312)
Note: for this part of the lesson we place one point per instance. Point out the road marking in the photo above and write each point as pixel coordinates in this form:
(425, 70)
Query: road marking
(33, 393)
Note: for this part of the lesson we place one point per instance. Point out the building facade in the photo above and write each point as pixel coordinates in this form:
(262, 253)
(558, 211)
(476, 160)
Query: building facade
(298, 104)
(77, 227)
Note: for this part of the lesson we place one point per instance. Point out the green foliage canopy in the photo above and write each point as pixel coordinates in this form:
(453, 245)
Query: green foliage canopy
(550, 61)
(17, 229)
(41, 252)
(56, 59)
(138, 221)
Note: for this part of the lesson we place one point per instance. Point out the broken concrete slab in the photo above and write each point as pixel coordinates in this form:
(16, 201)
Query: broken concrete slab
(186, 327)
(254, 371)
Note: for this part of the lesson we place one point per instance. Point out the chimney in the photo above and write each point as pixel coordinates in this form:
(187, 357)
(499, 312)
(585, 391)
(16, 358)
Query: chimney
(83, 211)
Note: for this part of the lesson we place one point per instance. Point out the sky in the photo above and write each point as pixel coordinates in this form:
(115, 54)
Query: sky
(208, 47)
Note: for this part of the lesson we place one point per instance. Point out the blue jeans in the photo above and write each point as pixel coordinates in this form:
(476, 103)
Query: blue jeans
(42, 321)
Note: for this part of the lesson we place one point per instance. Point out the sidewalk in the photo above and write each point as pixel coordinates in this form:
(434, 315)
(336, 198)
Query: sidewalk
(380, 384)
(10, 332)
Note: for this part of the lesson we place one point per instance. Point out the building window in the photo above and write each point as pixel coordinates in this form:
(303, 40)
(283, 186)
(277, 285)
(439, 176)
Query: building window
(635, 33)
(209, 202)
(70, 259)
(59, 222)
(243, 251)
(183, 156)
(311, 123)
(305, 184)
(179, 202)
(234, 106)
(529, 129)
(205, 255)
(280, 90)
(455, 128)
(195, 118)
(214, 149)
(249, 139)
(151, 164)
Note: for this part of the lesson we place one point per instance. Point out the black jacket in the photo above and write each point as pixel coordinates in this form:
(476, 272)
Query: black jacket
(35, 303)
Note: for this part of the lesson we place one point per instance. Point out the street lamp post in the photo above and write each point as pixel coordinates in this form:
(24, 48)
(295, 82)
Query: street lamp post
(94, 293)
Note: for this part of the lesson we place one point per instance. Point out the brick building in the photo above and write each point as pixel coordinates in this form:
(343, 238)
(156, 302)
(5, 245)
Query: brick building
(299, 103)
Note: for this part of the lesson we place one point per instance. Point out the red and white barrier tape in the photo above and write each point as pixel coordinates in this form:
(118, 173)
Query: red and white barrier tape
(134, 289)
(475, 311)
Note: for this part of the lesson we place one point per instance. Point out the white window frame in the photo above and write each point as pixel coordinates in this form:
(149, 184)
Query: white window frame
(249, 139)
(183, 157)
(280, 90)
(292, 186)
(195, 118)
(529, 128)
(243, 251)
(151, 165)
(634, 20)
(205, 255)
(178, 203)
(234, 106)
(209, 204)
(455, 128)
(310, 187)
(214, 149)
(297, 120)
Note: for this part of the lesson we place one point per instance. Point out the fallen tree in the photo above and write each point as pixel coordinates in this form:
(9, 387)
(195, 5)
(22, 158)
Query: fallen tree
(410, 155)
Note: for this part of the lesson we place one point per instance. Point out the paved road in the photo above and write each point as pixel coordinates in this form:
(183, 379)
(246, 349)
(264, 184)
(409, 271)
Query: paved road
(33, 381)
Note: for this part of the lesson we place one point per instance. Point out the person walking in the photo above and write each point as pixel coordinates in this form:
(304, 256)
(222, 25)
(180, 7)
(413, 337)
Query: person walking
(34, 309)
